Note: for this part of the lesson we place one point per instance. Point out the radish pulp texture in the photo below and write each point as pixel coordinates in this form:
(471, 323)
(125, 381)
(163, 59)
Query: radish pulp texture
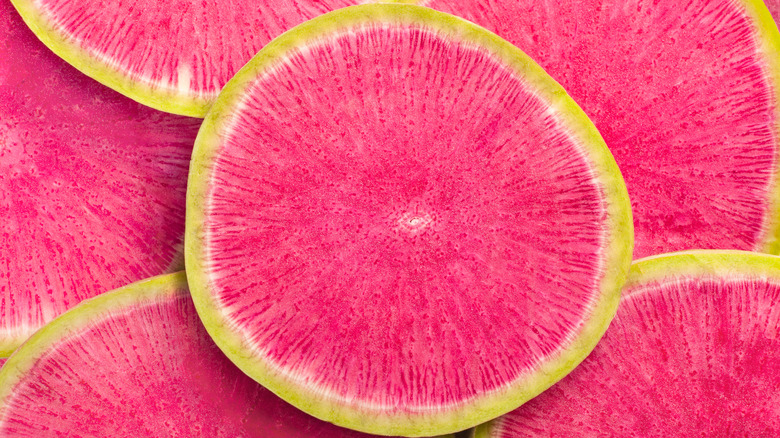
(394, 220)
(92, 183)
(138, 363)
(685, 95)
(693, 351)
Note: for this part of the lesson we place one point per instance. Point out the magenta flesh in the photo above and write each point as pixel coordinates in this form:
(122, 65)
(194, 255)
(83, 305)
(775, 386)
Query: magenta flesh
(774, 9)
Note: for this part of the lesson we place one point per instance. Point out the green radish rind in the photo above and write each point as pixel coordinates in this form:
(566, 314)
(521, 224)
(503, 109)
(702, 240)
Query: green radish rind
(768, 38)
(164, 99)
(80, 318)
(428, 421)
(658, 269)
(701, 264)
(9, 344)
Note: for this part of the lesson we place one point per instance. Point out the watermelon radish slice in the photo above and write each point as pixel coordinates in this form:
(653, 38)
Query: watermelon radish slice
(400, 224)
(92, 185)
(687, 97)
(693, 351)
(174, 55)
(137, 362)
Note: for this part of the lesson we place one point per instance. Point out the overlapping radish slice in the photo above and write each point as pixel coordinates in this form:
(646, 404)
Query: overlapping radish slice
(399, 223)
(687, 97)
(137, 362)
(174, 55)
(92, 185)
(693, 351)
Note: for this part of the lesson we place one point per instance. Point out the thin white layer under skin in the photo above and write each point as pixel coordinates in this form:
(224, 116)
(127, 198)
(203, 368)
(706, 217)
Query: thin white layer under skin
(236, 166)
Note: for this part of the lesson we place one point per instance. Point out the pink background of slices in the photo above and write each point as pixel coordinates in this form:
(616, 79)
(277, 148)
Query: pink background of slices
(774, 8)
(689, 130)
(208, 41)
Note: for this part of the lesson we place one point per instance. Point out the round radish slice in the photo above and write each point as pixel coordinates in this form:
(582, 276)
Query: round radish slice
(92, 185)
(687, 97)
(693, 351)
(137, 362)
(400, 224)
(174, 55)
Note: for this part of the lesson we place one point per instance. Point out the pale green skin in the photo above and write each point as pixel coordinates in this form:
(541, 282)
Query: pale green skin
(446, 419)
(684, 264)
(768, 37)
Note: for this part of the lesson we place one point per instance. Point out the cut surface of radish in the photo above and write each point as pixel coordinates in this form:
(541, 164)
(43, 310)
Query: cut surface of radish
(400, 224)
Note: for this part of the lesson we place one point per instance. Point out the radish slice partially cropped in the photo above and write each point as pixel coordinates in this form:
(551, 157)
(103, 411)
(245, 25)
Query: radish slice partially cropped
(174, 55)
(136, 362)
(399, 223)
(92, 185)
(687, 97)
(693, 351)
